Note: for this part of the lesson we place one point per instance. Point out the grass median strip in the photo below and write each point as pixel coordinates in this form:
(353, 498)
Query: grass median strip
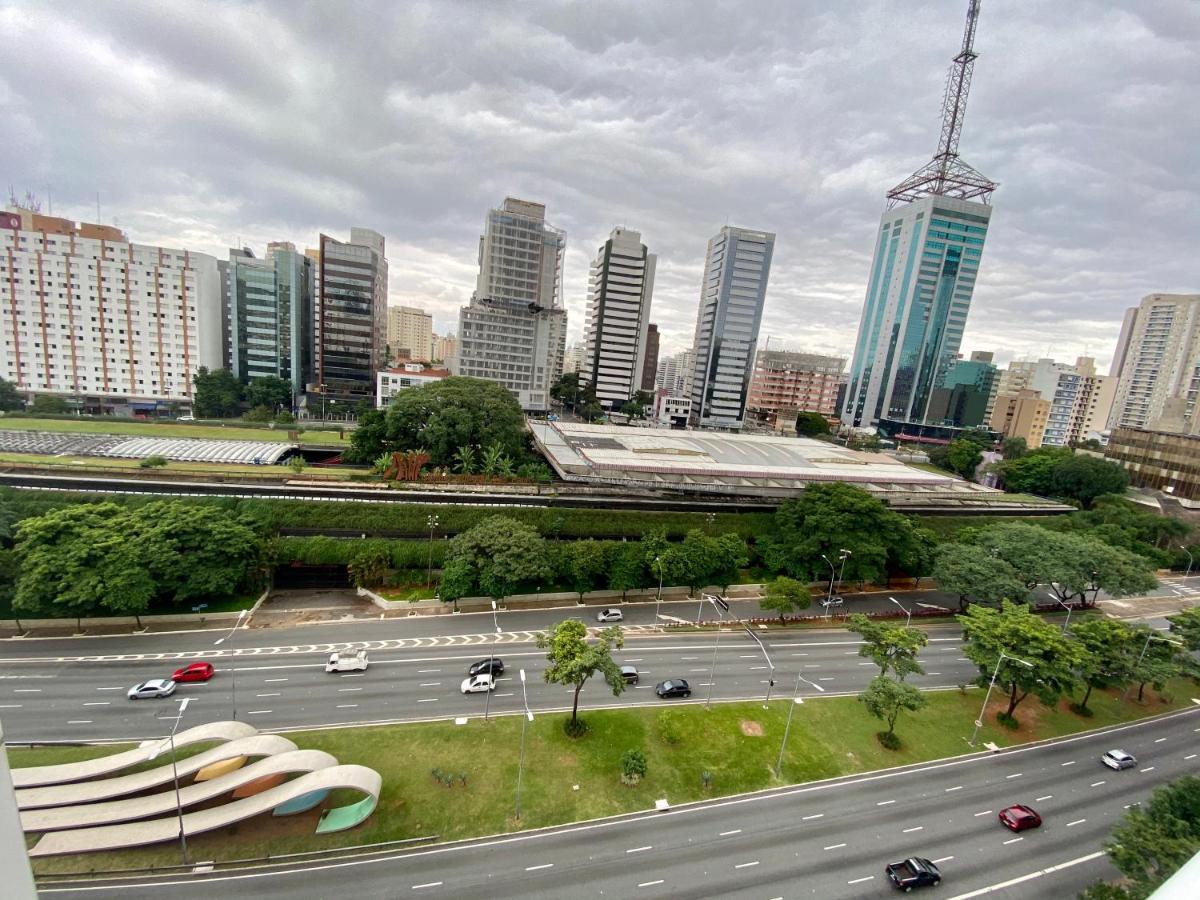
(460, 781)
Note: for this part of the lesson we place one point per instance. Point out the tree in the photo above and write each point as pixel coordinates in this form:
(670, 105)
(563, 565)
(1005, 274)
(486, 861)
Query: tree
(368, 441)
(786, 595)
(1186, 626)
(811, 424)
(889, 646)
(692, 561)
(1084, 478)
(493, 460)
(1161, 661)
(1130, 526)
(963, 457)
(1033, 472)
(632, 409)
(886, 698)
(573, 392)
(1156, 839)
(496, 555)
(270, 391)
(970, 571)
(1013, 447)
(627, 569)
(368, 566)
(455, 412)
(633, 766)
(585, 565)
(218, 394)
(10, 398)
(1105, 660)
(47, 405)
(1020, 634)
(730, 557)
(572, 660)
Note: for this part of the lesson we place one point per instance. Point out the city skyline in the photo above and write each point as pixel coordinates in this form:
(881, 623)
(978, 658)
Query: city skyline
(828, 132)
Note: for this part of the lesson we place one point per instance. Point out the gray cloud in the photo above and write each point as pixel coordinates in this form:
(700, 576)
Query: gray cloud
(210, 124)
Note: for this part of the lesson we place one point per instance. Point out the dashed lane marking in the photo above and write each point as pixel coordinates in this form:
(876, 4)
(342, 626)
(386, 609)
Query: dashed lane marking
(835, 846)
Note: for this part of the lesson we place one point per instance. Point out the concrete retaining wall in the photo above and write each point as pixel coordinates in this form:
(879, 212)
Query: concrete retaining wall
(540, 600)
(170, 619)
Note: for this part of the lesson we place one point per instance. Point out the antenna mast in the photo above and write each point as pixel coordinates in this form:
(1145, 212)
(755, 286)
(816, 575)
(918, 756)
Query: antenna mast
(946, 174)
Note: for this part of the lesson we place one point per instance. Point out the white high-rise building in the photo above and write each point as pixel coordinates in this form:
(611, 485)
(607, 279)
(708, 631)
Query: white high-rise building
(514, 331)
(736, 270)
(675, 373)
(1080, 399)
(1159, 357)
(95, 318)
(618, 316)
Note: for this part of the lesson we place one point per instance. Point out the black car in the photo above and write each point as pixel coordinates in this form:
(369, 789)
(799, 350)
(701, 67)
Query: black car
(493, 666)
(916, 871)
(676, 687)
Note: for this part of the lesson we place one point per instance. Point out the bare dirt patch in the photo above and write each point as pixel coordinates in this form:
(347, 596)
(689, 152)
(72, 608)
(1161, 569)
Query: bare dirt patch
(751, 728)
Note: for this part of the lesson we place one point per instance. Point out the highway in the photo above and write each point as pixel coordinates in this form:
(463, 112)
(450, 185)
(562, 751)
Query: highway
(827, 840)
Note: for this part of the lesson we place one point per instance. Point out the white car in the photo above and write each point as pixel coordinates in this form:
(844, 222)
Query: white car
(185, 418)
(610, 615)
(477, 684)
(155, 687)
(1118, 759)
(347, 662)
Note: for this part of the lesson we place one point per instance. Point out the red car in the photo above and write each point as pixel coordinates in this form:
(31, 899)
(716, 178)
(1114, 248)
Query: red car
(197, 671)
(1019, 818)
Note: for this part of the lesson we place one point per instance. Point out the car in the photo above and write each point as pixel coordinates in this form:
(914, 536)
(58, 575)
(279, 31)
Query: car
(610, 615)
(494, 666)
(197, 671)
(916, 871)
(185, 419)
(674, 687)
(1019, 817)
(629, 674)
(833, 601)
(1118, 759)
(476, 684)
(347, 662)
(155, 687)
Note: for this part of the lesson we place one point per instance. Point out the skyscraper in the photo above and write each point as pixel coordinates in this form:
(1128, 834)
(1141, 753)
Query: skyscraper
(351, 314)
(650, 366)
(1159, 356)
(736, 270)
(410, 333)
(922, 277)
(618, 316)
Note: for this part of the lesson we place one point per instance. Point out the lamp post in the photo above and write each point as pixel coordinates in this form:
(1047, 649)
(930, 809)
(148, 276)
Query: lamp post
(1066, 624)
(1188, 573)
(992, 684)
(658, 597)
(907, 611)
(712, 672)
(232, 661)
(829, 593)
(796, 701)
(175, 775)
(432, 521)
(521, 758)
(842, 554)
(1150, 636)
(487, 703)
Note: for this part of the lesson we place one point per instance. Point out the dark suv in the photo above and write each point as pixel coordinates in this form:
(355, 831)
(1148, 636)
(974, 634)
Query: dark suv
(916, 871)
(676, 687)
(493, 666)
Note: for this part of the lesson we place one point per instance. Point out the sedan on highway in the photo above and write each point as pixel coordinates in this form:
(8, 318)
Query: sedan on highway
(610, 615)
(1118, 759)
(477, 684)
(675, 687)
(1019, 817)
(155, 687)
(197, 671)
(493, 666)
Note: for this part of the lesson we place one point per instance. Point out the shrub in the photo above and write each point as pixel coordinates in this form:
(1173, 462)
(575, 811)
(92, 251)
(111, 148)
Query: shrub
(296, 464)
(1009, 722)
(153, 462)
(706, 779)
(633, 766)
(889, 739)
(670, 729)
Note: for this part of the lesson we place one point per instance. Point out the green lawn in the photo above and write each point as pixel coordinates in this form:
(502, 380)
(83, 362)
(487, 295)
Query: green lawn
(232, 432)
(569, 780)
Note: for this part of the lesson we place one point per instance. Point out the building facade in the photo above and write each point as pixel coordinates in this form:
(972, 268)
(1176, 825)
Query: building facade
(650, 366)
(736, 270)
(1080, 399)
(108, 324)
(351, 328)
(514, 331)
(620, 290)
(965, 394)
(672, 411)
(1159, 357)
(1021, 414)
(445, 348)
(410, 333)
(405, 374)
(798, 382)
(269, 315)
(1160, 460)
(675, 372)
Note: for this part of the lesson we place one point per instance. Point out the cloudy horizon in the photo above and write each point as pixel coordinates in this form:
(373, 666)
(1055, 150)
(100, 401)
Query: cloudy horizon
(214, 125)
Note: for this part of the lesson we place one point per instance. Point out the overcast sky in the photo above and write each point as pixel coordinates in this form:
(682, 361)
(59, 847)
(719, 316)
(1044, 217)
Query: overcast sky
(210, 125)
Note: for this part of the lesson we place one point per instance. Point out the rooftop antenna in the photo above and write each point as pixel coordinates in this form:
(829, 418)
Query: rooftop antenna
(946, 174)
(97, 207)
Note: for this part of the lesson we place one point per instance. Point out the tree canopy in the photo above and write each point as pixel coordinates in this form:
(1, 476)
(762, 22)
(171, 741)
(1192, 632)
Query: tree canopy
(1084, 478)
(494, 557)
(270, 391)
(455, 412)
(573, 660)
(1105, 660)
(885, 698)
(10, 398)
(974, 573)
(786, 595)
(218, 394)
(889, 646)
(811, 424)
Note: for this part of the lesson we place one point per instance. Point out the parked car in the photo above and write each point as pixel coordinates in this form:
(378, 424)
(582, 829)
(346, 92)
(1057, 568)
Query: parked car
(155, 687)
(476, 684)
(185, 419)
(610, 615)
(1019, 817)
(833, 601)
(916, 871)
(1118, 759)
(675, 687)
(629, 674)
(493, 666)
(197, 671)
(347, 662)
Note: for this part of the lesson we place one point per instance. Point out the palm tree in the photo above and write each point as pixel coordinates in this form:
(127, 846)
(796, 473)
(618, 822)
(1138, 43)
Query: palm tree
(464, 460)
(492, 455)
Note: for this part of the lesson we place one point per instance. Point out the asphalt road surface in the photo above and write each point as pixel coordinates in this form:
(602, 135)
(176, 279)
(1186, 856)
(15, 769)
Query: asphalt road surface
(825, 840)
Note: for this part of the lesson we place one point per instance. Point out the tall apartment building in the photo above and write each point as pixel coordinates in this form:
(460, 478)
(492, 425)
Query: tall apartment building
(795, 382)
(410, 333)
(573, 357)
(514, 331)
(650, 366)
(618, 317)
(1022, 413)
(108, 324)
(1080, 399)
(351, 327)
(269, 315)
(445, 347)
(675, 373)
(1159, 358)
(736, 269)
(965, 396)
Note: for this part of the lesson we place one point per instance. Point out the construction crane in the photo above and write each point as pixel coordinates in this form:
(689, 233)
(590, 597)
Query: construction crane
(946, 174)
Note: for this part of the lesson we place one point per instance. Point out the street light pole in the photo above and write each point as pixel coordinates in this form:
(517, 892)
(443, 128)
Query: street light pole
(842, 574)
(1150, 636)
(1066, 624)
(433, 523)
(521, 758)
(796, 701)
(829, 593)
(232, 661)
(907, 612)
(658, 597)
(1188, 573)
(716, 644)
(992, 684)
(175, 775)
(487, 703)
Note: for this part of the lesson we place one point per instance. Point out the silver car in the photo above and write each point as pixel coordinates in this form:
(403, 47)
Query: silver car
(1118, 759)
(155, 687)
(610, 615)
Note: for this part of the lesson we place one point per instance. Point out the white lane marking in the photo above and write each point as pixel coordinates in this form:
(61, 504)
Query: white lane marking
(1190, 756)
(1040, 799)
(352, 674)
(634, 659)
(835, 846)
(1014, 840)
(986, 812)
(650, 883)
(1097, 783)
(268, 695)
(1014, 775)
(830, 678)
(697, 670)
(933, 673)
(943, 859)
(812, 665)
(428, 700)
(1076, 822)
(110, 689)
(79, 721)
(1159, 740)
(748, 656)
(957, 787)
(1071, 763)
(685, 658)
(755, 668)
(344, 690)
(746, 865)
(270, 680)
(27, 690)
(914, 828)
(1023, 878)
(728, 833)
(640, 849)
(427, 671)
(257, 712)
(347, 706)
(867, 664)
(860, 880)
(10, 705)
(1147, 769)
(799, 654)
(542, 866)
(852, 653)
(509, 694)
(428, 884)
(98, 703)
(884, 802)
(430, 684)
(813, 816)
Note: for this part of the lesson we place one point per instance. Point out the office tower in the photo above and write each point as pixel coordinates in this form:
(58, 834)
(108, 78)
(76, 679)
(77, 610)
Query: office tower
(1078, 400)
(926, 260)
(514, 330)
(795, 383)
(110, 325)
(352, 284)
(269, 315)
(674, 374)
(1159, 352)
(410, 333)
(736, 269)
(966, 393)
(650, 366)
(618, 317)
(573, 358)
